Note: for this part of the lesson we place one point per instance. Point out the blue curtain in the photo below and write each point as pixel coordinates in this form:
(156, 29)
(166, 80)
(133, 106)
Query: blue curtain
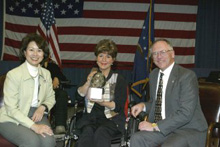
(208, 34)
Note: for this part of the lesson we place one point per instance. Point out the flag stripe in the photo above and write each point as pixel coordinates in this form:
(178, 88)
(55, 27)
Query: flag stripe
(142, 7)
(19, 28)
(13, 43)
(125, 32)
(139, 15)
(175, 17)
(182, 2)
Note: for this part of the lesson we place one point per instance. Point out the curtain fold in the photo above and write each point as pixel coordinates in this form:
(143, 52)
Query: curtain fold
(1, 26)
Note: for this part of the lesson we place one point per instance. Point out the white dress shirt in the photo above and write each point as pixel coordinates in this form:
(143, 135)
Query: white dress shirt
(166, 76)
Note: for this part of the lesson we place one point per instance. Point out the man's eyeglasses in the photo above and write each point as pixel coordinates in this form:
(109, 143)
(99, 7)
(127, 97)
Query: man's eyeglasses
(161, 53)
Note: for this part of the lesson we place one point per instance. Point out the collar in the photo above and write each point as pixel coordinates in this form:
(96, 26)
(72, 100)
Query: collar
(26, 72)
(33, 70)
(109, 75)
(167, 71)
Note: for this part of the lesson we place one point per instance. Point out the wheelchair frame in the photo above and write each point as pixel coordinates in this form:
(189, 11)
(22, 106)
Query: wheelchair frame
(131, 126)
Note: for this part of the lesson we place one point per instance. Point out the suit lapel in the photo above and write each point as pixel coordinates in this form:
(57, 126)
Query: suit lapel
(171, 83)
(154, 83)
(172, 80)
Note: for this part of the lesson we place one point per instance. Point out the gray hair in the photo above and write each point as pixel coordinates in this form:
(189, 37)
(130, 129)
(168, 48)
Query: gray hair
(158, 40)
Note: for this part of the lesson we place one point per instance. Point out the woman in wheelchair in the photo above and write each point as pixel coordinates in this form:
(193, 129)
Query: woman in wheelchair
(103, 118)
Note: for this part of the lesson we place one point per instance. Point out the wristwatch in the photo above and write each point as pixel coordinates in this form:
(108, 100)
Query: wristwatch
(154, 125)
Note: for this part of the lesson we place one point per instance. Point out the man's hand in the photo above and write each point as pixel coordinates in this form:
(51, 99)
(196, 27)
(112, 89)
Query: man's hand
(144, 125)
(147, 126)
(136, 109)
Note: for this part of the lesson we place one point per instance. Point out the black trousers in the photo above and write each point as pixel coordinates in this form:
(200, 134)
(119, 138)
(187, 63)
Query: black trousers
(97, 132)
(60, 108)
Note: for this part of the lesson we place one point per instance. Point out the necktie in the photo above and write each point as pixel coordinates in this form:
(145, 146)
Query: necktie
(157, 114)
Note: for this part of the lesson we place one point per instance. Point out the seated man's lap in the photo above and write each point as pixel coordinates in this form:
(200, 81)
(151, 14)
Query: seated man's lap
(184, 137)
(147, 139)
(180, 138)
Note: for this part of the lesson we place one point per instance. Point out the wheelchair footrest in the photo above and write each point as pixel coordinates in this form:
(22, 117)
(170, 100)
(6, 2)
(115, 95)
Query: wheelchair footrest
(59, 137)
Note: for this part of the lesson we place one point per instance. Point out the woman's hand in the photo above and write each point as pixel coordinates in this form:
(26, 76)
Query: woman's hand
(42, 129)
(56, 83)
(83, 89)
(38, 114)
(89, 78)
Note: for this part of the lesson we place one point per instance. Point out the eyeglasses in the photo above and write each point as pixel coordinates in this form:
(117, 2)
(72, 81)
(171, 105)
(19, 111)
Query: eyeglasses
(161, 53)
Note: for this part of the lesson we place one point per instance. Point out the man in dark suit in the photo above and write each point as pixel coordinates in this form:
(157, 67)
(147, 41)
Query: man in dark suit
(177, 120)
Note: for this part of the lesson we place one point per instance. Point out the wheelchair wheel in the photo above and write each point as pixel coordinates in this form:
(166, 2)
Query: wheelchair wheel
(72, 133)
(69, 143)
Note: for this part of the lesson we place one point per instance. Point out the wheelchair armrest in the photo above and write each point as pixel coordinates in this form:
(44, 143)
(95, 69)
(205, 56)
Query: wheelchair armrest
(143, 116)
(66, 82)
(131, 104)
(79, 103)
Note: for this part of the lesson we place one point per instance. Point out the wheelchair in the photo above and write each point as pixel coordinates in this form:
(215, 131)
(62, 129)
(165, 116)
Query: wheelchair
(62, 86)
(131, 126)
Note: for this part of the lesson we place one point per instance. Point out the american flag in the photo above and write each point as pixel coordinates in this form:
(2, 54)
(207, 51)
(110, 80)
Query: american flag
(47, 28)
(81, 24)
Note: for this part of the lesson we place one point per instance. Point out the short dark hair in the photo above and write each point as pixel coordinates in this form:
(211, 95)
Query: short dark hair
(41, 43)
(106, 45)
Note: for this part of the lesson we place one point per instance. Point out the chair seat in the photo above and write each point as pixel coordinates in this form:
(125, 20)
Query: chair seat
(5, 143)
(210, 100)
